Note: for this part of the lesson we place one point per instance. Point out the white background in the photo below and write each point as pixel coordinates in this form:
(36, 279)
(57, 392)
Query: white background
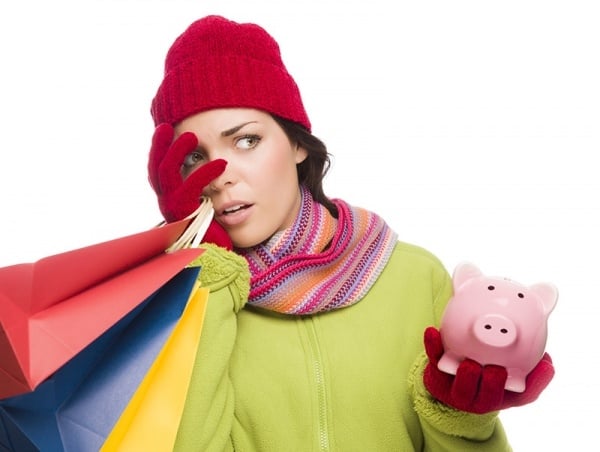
(471, 126)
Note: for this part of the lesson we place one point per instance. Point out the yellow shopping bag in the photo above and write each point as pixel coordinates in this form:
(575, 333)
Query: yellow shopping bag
(151, 419)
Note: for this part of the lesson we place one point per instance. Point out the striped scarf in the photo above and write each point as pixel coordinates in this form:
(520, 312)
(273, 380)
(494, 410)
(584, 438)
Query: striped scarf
(320, 263)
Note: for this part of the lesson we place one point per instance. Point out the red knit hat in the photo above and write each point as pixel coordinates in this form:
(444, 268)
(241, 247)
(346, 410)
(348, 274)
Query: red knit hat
(218, 63)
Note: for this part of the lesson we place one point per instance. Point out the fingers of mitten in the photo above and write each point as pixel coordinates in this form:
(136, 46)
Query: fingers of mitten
(537, 380)
(547, 358)
(161, 140)
(438, 383)
(184, 199)
(433, 344)
(540, 376)
(170, 168)
(217, 235)
(466, 384)
(203, 176)
(179, 203)
(491, 389)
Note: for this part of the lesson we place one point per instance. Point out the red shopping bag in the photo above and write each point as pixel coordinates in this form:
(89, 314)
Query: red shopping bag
(53, 308)
(77, 407)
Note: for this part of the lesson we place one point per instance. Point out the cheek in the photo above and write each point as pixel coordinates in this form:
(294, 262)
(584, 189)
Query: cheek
(276, 170)
(278, 159)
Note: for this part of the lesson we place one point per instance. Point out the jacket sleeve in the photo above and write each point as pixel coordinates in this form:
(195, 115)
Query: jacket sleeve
(208, 411)
(445, 428)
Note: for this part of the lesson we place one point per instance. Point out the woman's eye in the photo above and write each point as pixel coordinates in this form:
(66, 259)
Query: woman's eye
(192, 159)
(248, 141)
(190, 163)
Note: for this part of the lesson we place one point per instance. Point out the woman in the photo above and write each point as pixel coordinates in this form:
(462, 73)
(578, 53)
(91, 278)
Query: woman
(313, 337)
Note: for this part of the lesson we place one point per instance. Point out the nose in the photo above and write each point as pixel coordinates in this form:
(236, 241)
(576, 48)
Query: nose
(224, 179)
(495, 330)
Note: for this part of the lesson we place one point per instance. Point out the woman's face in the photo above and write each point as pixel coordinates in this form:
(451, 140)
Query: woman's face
(258, 194)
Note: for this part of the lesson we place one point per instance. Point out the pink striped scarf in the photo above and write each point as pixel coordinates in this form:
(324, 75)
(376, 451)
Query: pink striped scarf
(320, 263)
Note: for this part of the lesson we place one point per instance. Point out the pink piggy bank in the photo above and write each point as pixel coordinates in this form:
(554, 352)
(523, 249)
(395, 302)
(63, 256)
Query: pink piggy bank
(494, 320)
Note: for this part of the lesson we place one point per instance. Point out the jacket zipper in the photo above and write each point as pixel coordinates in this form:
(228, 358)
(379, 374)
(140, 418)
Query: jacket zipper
(317, 365)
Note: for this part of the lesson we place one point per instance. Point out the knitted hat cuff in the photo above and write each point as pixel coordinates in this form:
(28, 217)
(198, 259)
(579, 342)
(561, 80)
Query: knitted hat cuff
(227, 81)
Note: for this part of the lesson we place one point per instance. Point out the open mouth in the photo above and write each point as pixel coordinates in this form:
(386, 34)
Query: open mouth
(235, 209)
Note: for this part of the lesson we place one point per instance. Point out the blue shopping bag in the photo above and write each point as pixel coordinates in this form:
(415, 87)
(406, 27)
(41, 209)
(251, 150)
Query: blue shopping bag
(76, 408)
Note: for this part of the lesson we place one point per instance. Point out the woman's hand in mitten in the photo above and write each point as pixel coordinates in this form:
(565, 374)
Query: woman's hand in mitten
(179, 197)
(476, 388)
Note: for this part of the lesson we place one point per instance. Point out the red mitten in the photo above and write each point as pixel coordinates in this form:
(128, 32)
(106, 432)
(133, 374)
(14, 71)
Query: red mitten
(178, 198)
(475, 388)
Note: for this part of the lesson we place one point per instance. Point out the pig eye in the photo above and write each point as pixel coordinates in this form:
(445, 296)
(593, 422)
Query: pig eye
(491, 287)
(520, 295)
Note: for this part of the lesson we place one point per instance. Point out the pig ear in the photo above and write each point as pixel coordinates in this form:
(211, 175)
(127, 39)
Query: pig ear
(548, 294)
(463, 272)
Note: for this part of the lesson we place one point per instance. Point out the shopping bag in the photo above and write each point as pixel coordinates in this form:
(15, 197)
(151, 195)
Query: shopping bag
(151, 419)
(78, 406)
(53, 308)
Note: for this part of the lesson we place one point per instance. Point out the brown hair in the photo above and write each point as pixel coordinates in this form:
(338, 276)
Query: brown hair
(315, 166)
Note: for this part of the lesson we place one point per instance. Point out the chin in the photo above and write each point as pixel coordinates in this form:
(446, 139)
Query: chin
(245, 241)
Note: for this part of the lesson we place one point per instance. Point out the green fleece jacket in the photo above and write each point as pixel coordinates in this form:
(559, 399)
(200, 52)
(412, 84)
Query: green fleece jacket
(346, 380)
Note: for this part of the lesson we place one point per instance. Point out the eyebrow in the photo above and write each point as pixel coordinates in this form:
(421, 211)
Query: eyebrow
(233, 130)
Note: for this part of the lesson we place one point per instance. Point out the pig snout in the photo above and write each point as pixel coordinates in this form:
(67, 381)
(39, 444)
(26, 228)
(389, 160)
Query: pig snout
(495, 330)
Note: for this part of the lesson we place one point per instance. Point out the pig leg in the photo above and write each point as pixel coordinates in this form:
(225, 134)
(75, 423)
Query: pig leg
(449, 363)
(516, 380)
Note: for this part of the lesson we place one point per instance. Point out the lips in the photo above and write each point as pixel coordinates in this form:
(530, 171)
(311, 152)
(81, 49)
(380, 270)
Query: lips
(234, 213)
(234, 209)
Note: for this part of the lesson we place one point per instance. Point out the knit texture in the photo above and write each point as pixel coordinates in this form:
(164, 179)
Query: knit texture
(319, 263)
(219, 63)
(222, 268)
(444, 418)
